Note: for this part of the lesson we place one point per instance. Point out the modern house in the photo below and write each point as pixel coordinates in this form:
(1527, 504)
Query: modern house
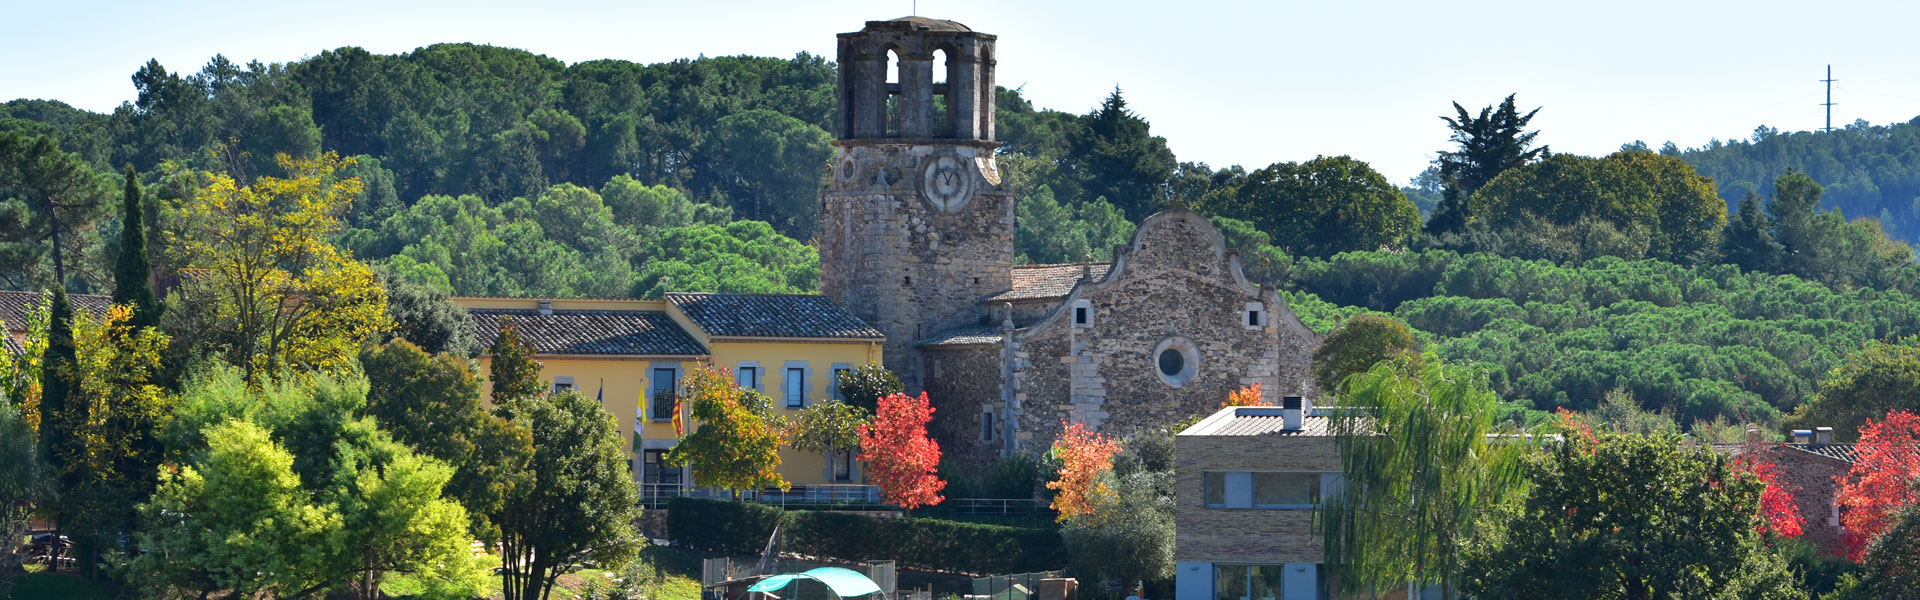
(632, 354)
(1249, 479)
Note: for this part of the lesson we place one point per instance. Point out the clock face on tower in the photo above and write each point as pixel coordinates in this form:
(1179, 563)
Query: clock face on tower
(946, 183)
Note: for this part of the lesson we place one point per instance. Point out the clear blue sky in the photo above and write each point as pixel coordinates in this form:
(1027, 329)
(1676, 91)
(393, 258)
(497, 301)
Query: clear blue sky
(1225, 82)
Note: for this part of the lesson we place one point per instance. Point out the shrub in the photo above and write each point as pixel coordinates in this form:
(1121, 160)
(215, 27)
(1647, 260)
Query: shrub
(720, 526)
(926, 543)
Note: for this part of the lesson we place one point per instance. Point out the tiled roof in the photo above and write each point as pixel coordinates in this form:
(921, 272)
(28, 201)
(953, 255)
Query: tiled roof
(13, 348)
(772, 316)
(14, 305)
(965, 336)
(619, 332)
(1842, 452)
(1040, 282)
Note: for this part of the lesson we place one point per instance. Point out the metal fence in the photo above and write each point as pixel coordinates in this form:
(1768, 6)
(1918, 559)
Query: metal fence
(1019, 586)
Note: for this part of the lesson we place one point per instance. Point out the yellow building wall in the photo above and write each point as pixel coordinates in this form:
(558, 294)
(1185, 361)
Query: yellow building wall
(619, 380)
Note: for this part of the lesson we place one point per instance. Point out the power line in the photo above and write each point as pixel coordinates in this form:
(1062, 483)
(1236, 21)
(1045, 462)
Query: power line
(1829, 104)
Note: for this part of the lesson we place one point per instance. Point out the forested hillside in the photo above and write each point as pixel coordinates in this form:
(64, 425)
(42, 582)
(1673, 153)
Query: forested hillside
(1869, 171)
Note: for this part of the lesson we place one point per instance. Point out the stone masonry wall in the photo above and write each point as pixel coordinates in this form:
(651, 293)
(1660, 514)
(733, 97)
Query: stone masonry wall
(961, 382)
(1811, 480)
(1177, 280)
(899, 264)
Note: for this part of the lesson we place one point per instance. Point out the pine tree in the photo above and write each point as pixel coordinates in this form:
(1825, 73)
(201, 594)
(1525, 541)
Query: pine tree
(60, 443)
(130, 272)
(515, 373)
(1493, 142)
(1748, 239)
(1118, 158)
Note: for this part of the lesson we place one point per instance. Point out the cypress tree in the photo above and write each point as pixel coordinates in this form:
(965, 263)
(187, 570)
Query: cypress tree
(130, 272)
(59, 444)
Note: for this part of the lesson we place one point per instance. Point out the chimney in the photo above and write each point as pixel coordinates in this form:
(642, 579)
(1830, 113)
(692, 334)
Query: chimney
(1823, 435)
(1802, 436)
(1290, 410)
(546, 307)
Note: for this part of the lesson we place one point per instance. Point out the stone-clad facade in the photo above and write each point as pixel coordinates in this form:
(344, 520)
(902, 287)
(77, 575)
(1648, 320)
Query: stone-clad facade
(916, 238)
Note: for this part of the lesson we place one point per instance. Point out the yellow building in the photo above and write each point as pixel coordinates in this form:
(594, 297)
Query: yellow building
(631, 354)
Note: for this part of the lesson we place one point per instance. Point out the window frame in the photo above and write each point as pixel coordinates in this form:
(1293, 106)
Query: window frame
(562, 384)
(1218, 489)
(1083, 313)
(660, 410)
(793, 390)
(752, 369)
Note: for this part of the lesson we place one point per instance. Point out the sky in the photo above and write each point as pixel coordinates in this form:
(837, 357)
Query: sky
(1229, 82)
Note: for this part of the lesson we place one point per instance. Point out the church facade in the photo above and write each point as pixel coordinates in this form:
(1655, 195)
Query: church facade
(916, 239)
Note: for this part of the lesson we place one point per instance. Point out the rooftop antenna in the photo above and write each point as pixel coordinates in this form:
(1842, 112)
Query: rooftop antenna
(1829, 103)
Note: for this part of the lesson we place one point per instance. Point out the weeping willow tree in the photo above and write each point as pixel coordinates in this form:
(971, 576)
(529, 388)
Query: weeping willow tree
(1423, 457)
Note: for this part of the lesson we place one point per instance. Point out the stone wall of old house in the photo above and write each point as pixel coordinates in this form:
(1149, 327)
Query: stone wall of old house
(899, 263)
(1177, 280)
(963, 382)
(1812, 480)
(1245, 535)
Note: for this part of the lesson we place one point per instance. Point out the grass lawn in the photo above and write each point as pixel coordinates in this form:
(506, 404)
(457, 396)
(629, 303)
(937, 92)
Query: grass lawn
(62, 586)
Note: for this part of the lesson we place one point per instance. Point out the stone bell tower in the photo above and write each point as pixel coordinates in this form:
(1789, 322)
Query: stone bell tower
(916, 226)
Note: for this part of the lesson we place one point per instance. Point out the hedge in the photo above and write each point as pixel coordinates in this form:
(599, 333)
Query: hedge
(743, 528)
(926, 543)
(720, 526)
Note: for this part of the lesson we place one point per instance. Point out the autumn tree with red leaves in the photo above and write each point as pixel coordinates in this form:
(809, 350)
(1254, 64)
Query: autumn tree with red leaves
(1085, 456)
(1885, 466)
(1779, 513)
(900, 457)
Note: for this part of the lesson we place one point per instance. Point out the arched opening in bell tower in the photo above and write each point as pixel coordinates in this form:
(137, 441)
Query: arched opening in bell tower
(942, 90)
(893, 91)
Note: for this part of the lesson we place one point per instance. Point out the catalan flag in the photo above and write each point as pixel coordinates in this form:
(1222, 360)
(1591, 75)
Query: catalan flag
(679, 423)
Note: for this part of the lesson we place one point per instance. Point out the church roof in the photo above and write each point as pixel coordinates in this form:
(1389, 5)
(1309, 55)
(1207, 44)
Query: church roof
(807, 316)
(604, 332)
(1042, 282)
(918, 23)
(964, 336)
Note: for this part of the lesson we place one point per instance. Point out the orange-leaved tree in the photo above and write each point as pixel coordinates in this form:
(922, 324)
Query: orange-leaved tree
(900, 458)
(737, 446)
(1246, 396)
(1881, 481)
(1085, 457)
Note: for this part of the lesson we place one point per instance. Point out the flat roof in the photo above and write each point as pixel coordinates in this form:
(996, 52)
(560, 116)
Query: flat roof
(1260, 420)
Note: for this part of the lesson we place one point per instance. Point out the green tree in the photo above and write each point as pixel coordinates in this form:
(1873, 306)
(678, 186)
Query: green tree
(830, 428)
(1113, 155)
(1129, 534)
(63, 418)
(513, 370)
(737, 442)
(23, 486)
(1657, 198)
(1487, 145)
(1322, 207)
(644, 207)
(1632, 517)
(1868, 384)
(1050, 232)
(131, 274)
(1748, 239)
(1890, 570)
(432, 403)
(423, 315)
(1357, 345)
(772, 165)
(741, 257)
(863, 386)
(579, 504)
(1422, 459)
(48, 199)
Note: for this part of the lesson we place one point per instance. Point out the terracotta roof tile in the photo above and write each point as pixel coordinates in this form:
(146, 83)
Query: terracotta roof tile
(1842, 452)
(772, 316)
(613, 332)
(1041, 282)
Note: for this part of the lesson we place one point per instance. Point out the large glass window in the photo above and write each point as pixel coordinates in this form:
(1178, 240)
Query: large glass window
(796, 382)
(1248, 582)
(656, 469)
(1286, 489)
(747, 378)
(665, 387)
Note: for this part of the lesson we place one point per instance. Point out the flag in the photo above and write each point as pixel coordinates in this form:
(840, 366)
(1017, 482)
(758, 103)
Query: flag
(679, 424)
(601, 396)
(639, 410)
